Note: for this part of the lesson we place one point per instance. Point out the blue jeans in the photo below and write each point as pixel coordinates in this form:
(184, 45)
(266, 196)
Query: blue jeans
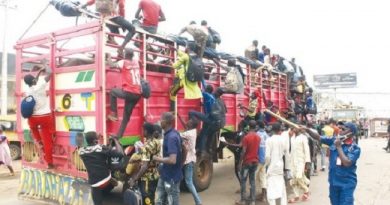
(167, 193)
(248, 170)
(188, 173)
(341, 196)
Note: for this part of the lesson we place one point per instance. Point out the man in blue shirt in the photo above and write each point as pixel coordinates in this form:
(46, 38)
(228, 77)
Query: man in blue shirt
(208, 101)
(261, 176)
(342, 165)
(168, 187)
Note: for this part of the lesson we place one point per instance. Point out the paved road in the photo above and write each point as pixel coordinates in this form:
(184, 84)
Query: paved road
(373, 182)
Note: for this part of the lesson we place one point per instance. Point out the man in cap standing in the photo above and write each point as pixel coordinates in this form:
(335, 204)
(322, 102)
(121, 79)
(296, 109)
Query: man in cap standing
(344, 154)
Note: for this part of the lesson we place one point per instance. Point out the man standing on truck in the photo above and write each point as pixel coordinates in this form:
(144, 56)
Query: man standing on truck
(41, 122)
(95, 158)
(200, 35)
(168, 187)
(115, 9)
(130, 91)
(152, 15)
(191, 89)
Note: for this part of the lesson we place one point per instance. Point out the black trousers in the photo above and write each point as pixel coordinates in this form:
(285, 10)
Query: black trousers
(123, 23)
(148, 190)
(131, 100)
(97, 194)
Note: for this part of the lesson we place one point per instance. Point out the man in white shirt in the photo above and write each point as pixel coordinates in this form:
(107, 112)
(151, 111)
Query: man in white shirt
(276, 149)
(300, 160)
(41, 122)
(189, 140)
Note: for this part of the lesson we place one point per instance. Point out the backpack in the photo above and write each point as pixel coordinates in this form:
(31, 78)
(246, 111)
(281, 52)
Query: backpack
(105, 7)
(145, 89)
(27, 106)
(218, 113)
(195, 70)
(231, 81)
(215, 36)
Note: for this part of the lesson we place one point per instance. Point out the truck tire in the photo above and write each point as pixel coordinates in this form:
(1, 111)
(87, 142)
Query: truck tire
(203, 173)
(15, 151)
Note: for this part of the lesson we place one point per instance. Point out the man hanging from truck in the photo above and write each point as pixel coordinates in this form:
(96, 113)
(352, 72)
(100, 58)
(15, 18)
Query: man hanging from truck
(115, 9)
(41, 121)
(251, 111)
(130, 91)
(183, 65)
(215, 121)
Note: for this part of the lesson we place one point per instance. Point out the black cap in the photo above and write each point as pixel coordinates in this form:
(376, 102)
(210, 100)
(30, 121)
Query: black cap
(29, 79)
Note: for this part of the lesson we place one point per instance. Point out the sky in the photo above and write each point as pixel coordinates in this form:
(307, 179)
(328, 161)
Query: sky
(325, 37)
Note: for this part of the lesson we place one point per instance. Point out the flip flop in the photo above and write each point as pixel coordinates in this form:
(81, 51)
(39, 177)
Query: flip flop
(305, 196)
(293, 200)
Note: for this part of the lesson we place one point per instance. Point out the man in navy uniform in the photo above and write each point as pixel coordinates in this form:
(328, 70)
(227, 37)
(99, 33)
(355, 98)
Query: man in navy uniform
(342, 164)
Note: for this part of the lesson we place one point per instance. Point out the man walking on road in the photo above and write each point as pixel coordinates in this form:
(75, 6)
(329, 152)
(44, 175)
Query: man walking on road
(168, 187)
(344, 154)
(276, 149)
(248, 163)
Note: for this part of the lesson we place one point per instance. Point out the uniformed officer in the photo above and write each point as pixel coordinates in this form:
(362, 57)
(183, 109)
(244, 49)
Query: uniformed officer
(342, 164)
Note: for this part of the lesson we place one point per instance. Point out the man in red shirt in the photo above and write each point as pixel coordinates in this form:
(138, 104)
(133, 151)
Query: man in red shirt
(152, 15)
(248, 162)
(130, 91)
(115, 9)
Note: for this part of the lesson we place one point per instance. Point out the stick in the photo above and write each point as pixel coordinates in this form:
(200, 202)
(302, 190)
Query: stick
(281, 118)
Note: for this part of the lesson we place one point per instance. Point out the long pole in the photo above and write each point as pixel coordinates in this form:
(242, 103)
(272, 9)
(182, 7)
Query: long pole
(4, 67)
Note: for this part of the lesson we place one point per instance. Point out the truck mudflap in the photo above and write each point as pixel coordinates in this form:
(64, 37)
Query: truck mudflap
(44, 185)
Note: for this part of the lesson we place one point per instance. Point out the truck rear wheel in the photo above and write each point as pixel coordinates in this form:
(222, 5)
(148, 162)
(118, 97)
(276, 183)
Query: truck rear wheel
(203, 173)
(15, 151)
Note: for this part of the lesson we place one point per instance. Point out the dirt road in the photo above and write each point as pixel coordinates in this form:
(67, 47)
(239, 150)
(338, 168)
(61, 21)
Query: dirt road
(373, 182)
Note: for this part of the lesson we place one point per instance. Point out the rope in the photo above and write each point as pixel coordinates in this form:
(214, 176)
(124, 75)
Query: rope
(35, 20)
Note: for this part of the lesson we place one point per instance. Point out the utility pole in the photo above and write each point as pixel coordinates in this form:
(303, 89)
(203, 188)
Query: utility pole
(4, 67)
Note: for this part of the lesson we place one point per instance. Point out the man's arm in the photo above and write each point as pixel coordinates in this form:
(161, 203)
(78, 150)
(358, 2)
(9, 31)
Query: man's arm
(162, 16)
(181, 60)
(137, 14)
(171, 159)
(347, 160)
(312, 133)
(48, 72)
(183, 30)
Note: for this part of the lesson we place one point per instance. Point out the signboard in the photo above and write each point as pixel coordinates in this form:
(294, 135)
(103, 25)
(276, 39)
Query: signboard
(341, 80)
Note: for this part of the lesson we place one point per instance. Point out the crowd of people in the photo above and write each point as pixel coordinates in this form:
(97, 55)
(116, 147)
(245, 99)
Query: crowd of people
(281, 160)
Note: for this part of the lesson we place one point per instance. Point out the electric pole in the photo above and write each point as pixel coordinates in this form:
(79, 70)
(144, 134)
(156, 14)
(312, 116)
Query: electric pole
(4, 66)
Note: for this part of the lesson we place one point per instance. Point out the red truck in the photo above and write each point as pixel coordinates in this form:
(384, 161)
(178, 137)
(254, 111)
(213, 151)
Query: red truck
(79, 98)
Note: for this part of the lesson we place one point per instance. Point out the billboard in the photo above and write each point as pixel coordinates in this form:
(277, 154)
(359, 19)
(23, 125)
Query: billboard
(340, 80)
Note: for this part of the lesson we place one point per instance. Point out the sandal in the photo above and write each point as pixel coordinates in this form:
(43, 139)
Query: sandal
(305, 196)
(293, 200)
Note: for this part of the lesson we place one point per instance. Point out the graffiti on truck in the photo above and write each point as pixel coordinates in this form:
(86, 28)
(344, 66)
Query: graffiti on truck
(45, 185)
